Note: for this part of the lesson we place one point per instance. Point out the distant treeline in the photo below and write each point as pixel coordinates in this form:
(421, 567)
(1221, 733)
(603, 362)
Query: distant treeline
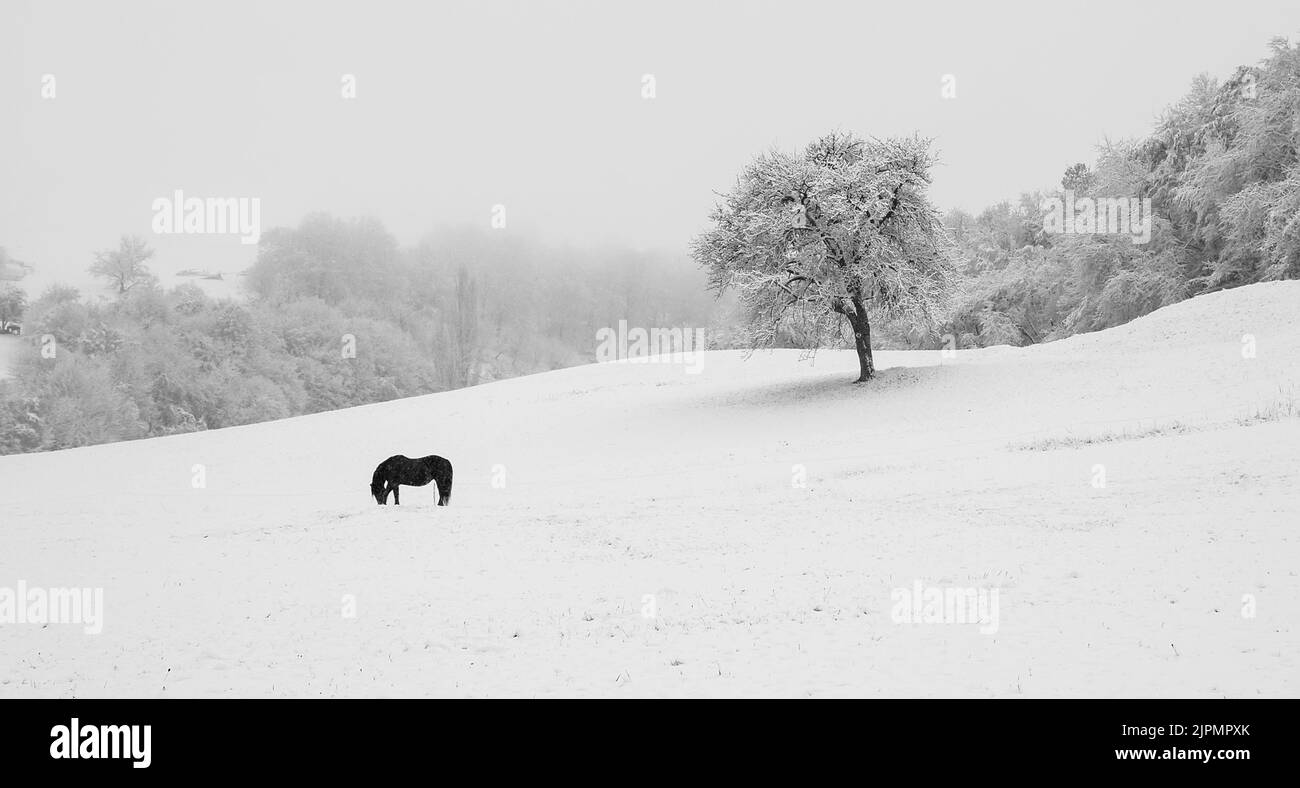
(337, 315)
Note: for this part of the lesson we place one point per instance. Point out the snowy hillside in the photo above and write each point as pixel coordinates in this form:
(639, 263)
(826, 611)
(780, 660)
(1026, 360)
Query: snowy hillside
(585, 497)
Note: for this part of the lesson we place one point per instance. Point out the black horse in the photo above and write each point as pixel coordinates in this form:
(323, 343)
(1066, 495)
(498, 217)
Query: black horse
(398, 470)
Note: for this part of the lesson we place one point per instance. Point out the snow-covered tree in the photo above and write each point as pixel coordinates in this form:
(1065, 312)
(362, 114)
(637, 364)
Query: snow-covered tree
(842, 231)
(1078, 178)
(13, 302)
(124, 267)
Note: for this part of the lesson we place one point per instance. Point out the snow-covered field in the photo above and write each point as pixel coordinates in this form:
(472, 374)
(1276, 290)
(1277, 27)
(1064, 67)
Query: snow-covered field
(588, 498)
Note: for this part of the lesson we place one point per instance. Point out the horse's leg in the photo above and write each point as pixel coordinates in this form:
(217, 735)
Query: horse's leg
(397, 499)
(444, 487)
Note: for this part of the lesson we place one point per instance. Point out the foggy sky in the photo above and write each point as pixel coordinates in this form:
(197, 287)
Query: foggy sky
(538, 106)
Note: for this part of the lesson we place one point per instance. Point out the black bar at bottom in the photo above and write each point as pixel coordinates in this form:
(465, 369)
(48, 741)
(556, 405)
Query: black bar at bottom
(328, 738)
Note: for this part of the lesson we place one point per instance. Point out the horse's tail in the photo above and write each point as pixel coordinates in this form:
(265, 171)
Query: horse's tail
(377, 481)
(444, 496)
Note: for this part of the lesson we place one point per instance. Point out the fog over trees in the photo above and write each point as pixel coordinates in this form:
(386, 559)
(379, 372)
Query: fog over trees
(336, 314)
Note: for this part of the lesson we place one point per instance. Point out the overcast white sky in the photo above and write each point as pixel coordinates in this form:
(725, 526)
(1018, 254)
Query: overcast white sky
(537, 106)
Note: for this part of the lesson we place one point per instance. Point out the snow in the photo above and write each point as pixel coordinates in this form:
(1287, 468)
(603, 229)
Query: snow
(628, 480)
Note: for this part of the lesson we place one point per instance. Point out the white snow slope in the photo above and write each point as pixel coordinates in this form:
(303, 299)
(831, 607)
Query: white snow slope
(580, 493)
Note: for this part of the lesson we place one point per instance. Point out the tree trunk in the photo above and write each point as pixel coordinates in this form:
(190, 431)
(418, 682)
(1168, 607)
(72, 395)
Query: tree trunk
(862, 342)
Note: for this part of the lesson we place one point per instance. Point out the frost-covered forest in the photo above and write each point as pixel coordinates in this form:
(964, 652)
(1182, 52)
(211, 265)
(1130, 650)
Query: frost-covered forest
(1222, 171)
